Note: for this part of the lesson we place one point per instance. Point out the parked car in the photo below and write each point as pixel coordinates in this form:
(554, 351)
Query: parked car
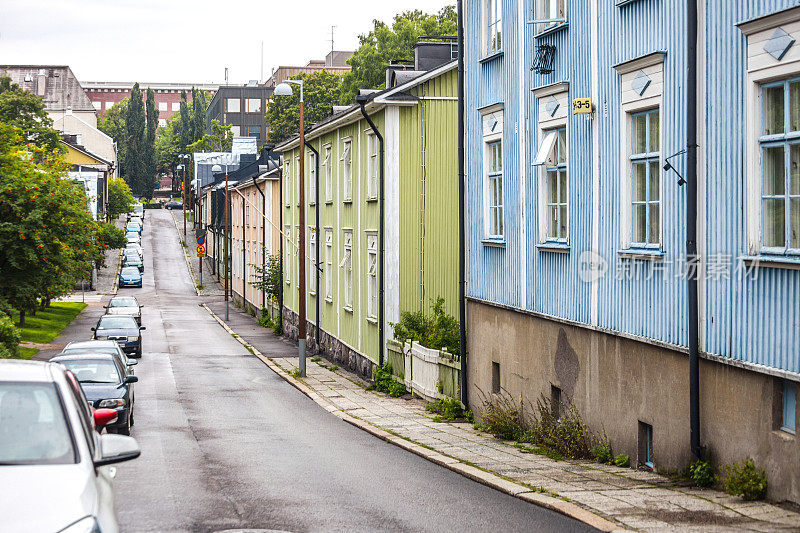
(133, 259)
(133, 237)
(174, 204)
(125, 305)
(122, 329)
(133, 226)
(135, 247)
(105, 384)
(50, 454)
(138, 210)
(137, 219)
(130, 276)
(106, 347)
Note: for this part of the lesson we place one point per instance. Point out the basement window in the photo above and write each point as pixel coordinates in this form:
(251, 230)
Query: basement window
(555, 401)
(789, 410)
(646, 457)
(495, 377)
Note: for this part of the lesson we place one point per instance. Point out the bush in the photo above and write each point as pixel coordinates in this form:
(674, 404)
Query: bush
(384, 381)
(702, 473)
(622, 460)
(152, 205)
(437, 331)
(449, 408)
(502, 418)
(602, 452)
(111, 237)
(745, 480)
(10, 337)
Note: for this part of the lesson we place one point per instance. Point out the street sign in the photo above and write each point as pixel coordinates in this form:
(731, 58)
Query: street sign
(201, 251)
(201, 241)
(582, 106)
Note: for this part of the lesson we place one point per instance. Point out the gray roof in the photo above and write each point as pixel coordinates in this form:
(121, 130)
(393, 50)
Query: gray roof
(56, 84)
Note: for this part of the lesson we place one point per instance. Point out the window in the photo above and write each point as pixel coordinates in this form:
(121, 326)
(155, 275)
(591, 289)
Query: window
(557, 187)
(347, 267)
(372, 275)
(312, 178)
(493, 11)
(312, 255)
(555, 401)
(347, 161)
(789, 411)
(495, 189)
(553, 11)
(176, 106)
(162, 106)
(232, 105)
(646, 445)
(236, 131)
(253, 105)
(162, 123)
(254, 131)
(495, 377)
(287, 182)
(297, 178)
(97, 105)
(328, 167)
(780, 166)
(296, 248)
(373, 166)
(328, 264)
(287, 255)
(645, 175)
(109, 105)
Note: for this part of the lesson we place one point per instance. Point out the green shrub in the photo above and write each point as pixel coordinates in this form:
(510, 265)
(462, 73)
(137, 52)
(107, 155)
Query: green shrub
(602, 452)
(702, 473)
(622, 460)
(745, 480)
(437, 330)
(10, 337)
(111, 237)
(449, 408)
(384, 381)
(502, 418)
(567, 434)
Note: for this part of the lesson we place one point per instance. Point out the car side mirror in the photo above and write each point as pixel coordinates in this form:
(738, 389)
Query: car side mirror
(131, 379)
(103, 417)
(142, 327)
(132, 362)
(116, 449)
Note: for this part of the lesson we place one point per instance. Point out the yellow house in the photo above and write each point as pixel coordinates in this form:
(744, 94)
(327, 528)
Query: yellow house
(92, 171)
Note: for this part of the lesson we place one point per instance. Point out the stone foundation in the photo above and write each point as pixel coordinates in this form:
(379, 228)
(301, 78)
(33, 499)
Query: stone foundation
(329, 346)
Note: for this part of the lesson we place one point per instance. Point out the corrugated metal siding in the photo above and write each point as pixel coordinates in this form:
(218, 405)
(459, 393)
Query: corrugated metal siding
(494, 273)
(434, 271)
(754, 321)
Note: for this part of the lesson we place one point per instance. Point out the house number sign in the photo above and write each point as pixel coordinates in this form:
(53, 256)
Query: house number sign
(582, 106)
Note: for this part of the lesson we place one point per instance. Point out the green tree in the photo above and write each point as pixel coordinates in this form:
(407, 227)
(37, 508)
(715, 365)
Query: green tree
(320, 94)
(27, 113)
(186, 124)
(112, 123)
(150, 144)
(134, 168)
(384, 44)
(111, 237)
(219, 140)
(120, 198)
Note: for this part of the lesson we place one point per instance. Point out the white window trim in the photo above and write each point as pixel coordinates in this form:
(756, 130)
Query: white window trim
(287, 267)
(487, 140)
(373, 166)
(327, 164)
(297, 179)
(312, 255)
(347, 169)
(347, 268)
(372, 276)
(543, 220)
(287, 182)
(328, 272)
(312, 178)
(485, 37)
(553, 15)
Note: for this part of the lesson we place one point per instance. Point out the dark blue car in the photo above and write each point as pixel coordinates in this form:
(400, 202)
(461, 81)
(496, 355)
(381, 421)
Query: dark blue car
(130, 276)
(105, 384)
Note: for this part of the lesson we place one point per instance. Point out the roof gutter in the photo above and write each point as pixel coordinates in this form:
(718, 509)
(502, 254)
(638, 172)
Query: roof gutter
(362, 101)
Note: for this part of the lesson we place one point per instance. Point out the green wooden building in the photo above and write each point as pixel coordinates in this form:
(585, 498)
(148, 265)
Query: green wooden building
(417, 119)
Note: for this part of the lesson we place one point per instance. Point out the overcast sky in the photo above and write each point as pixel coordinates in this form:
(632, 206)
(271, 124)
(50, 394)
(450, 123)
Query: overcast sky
(171, 41)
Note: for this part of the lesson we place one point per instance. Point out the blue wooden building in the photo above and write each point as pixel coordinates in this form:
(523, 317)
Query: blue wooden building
(577, 269)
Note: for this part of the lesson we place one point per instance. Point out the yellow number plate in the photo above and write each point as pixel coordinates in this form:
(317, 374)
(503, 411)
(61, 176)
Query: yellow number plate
(581, 105)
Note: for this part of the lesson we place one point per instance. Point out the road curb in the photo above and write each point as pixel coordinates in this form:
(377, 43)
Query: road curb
(511, 488)
(186, 257)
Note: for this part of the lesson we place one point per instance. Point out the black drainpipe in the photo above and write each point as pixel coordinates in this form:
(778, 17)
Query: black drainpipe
(462, 242)
(362, 100)
(263, 236)
(280, 268)
(316, 230)
(244, 256)
(691, 227)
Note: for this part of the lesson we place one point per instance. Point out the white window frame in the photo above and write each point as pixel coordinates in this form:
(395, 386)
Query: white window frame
(328, 264)
(253, 108)
(492, 27)
(372, 275)
(312, 178)
(176, 106)
(560, 167)
(287, 182)
(230, 107)
(554, 11)
(98, 106)
(327, 164)
(651, 162)
(312, 255)
(373, 166)
(162, 106)
(287, 259)
(109, 105)
(297, 178)
(347, 169)
(492, 125)
(347, 267)
(297, 254)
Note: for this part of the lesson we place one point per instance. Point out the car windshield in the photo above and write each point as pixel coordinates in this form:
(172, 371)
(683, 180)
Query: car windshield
(33, 427)
(117, 322)
(94, 370)
(138, 208)
(123, 302)
(110, 350)
(130, 271)
(132, 258)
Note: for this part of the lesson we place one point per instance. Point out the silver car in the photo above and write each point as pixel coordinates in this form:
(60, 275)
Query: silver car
(135, 248)
(98, 346)
(125, 305)
(51, 455)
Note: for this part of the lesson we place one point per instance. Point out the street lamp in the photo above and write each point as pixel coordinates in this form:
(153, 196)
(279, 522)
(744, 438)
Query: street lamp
(217, 169)
(284, 89)
(183, 157)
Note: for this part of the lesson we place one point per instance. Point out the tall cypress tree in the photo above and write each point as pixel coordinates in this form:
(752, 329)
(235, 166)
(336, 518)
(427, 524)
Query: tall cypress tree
(135, 169)
(198, 114)
(150, 145)
(186, 124)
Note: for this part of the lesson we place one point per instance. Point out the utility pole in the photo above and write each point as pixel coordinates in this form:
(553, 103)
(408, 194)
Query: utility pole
(226, 222)
(332, 28)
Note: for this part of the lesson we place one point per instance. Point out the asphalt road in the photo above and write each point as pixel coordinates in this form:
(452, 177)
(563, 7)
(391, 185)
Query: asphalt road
(227, 444)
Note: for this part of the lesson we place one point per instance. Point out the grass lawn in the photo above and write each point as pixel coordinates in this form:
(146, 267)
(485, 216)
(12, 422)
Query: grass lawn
(27, 353)
(46, 325)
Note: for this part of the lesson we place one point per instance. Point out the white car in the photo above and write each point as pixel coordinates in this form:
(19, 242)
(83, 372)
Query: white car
(52, 459)
(125, 305)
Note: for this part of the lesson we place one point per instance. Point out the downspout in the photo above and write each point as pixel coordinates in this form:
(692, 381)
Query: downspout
(263, 236)
(462, 241)
(280, 268)
(361, 101)
(691, 226)
(244, 257)
(316, 230)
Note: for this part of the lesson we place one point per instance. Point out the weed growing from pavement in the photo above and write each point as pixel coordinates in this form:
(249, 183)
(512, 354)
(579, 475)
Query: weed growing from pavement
(449, 409)
(622, 460)
(383, 381)
(437, 418)
(296, 374)
(316, 359)
(745, 480)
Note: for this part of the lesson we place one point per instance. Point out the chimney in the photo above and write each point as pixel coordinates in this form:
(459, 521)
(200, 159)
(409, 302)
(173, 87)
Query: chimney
(393, 67)
(41, 82)
(429, 55)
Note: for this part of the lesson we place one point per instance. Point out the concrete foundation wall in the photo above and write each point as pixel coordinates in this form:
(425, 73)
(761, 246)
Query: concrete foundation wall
(617, 382)
(329, 346)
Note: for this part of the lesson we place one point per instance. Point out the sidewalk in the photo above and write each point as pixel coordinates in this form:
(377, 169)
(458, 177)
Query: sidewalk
(629, 498)
(211, 287)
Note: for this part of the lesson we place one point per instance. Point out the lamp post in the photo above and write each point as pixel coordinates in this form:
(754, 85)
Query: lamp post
(284, 89)
(217, 168)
